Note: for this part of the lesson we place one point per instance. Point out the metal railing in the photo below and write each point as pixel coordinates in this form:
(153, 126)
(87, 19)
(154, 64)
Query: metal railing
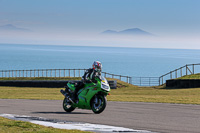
(140, 81)
(182, 71)
(145, 81)
(57, 73)
(120, 77)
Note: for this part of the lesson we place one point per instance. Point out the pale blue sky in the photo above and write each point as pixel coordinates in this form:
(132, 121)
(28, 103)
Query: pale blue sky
(160, 17)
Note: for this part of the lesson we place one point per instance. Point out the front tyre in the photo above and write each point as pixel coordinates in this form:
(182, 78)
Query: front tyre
(98, 104)
(67, 105)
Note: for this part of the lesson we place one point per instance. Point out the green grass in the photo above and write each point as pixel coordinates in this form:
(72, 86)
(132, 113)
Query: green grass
(30, 93)
(156, 94)
(13, 126)
(46, 78)
(124, 92)
(42, 78)
(193, 76)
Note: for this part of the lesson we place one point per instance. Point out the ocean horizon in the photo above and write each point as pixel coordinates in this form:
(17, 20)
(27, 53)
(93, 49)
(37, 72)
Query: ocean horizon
(133, 62)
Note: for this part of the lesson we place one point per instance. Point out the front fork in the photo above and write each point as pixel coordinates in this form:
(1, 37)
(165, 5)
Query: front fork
(96, 99)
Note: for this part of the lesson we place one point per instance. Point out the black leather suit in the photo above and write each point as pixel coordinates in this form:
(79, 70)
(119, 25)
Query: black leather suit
(88, 77)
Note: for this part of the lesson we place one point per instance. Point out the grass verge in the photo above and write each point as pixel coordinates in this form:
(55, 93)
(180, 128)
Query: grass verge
(42, 78)
(192, 76)
(13, 126)
(124, 92)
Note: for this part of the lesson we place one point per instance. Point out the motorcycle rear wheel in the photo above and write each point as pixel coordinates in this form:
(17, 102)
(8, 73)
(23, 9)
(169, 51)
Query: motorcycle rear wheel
(98, 104)
(67, 105)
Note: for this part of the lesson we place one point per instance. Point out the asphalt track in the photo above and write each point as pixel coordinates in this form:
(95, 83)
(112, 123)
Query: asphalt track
(156, 117)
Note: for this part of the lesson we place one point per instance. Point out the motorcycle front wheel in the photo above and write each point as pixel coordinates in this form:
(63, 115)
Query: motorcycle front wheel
(67, 105)
(98, 104)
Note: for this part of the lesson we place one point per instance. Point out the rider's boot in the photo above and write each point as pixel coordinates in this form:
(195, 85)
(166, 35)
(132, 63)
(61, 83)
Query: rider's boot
(74, 97)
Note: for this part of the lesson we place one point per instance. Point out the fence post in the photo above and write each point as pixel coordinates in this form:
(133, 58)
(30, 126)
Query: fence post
(127, 79)
(55, 72)
(176, 73)
(69, 72)
(171, 75)
(30, 73)
(193, 68)
(149, 81)
(12, 74)
(130, 80)
(38, 73)
(74, 73)
(46, 72)
(181, 72)
(51, 73)
(159, 81)
(59, 73)
(186, 69)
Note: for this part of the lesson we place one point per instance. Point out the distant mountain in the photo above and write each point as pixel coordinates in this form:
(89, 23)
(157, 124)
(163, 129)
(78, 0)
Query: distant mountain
(109, 32)
(133, 31)
(10, 27)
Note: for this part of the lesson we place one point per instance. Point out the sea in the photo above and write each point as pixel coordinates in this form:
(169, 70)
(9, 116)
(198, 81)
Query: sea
(133, 62)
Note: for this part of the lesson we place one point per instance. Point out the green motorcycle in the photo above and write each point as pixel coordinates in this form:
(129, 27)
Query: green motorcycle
(92, 96)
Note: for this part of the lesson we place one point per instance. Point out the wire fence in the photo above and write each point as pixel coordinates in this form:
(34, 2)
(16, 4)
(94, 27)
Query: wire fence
(140, 81)
(145, 81)
(188, 69)
(57, 73)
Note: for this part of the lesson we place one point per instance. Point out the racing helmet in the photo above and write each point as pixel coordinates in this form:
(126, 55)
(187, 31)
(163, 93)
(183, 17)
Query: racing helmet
(97, 66)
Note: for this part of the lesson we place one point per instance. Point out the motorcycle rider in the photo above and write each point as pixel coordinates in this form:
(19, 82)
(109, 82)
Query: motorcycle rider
(88, 77)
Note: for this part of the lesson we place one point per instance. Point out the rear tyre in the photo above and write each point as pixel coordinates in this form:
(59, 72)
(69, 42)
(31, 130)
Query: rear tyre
(98, 104)
(67, 105)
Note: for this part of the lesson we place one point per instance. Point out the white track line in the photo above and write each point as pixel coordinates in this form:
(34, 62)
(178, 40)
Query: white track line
(72, 125)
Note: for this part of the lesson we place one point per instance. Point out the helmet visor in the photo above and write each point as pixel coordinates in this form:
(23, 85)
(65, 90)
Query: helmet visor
(98, 67)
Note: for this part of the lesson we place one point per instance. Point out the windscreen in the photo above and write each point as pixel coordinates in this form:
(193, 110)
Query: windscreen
(104, 79)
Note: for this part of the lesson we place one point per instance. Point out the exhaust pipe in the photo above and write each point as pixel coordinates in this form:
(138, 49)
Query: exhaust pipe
(64, 93)
(66, 96)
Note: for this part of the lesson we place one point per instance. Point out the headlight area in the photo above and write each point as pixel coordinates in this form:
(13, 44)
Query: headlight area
(105, 87)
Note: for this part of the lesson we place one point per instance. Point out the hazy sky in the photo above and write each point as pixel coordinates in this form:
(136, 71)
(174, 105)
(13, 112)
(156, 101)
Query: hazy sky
(76, 22)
